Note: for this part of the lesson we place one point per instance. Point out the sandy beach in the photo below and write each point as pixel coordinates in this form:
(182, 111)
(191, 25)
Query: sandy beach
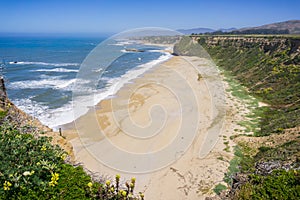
(167, 128)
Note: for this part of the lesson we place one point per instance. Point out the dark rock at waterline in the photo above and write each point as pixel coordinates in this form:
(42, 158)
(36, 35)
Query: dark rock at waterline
(134, 50)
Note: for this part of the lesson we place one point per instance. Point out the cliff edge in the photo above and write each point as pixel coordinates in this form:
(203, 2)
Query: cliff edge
(26, 123)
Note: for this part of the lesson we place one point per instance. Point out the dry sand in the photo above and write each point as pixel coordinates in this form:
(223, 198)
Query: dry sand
(167, 129)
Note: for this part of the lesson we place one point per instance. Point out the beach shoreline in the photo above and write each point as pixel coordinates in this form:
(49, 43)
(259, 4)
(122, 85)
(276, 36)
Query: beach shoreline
(192, 175)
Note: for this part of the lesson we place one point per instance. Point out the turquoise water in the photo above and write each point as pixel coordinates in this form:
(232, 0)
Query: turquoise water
(40, 72)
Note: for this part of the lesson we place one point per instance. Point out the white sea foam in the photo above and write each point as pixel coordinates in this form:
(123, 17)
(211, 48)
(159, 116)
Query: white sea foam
(49, 117)
(58, 116)
(156, 51)
(44, 83)
(97, 70)
(44, 63)
(65, 84)
(65, 114)
(56, 70)
(32, 108)
(124, 42)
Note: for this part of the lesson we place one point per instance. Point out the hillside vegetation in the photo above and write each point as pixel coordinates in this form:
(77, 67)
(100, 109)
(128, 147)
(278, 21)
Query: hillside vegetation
(269, 67)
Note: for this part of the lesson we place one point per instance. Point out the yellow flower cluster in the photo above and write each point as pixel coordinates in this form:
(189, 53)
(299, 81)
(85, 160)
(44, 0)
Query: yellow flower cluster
(133, 179)
(44, 148)
(112, 189)
(118, 176)
(7, 185)
(90, 184)
(142, 195)
(123, 193)
(63, 156)
(54, 179)
(107, 183)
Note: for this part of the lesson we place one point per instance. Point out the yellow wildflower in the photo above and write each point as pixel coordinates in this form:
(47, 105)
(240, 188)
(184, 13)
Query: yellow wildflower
(63, 156)
(118, 177)
(90, 184)
(51, 184)
(131, 185)
(133, 180)
(54, 179)
(107, 182)
(142, 195)
(124, 193)
(44, 148)
(112, 189)
(7, 185)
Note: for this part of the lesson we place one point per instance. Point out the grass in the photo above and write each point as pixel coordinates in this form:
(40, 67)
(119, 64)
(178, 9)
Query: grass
(219, 188)
(252, 124)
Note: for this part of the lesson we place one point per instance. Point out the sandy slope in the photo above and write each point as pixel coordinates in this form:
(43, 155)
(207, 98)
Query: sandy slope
(167, 128)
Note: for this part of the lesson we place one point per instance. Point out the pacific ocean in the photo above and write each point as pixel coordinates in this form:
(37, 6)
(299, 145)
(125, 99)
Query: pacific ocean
(40, 72)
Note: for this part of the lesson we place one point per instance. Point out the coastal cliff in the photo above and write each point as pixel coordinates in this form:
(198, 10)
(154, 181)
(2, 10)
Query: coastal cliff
(26, 123)
(266, 43)
(269, 66)
(267, 153)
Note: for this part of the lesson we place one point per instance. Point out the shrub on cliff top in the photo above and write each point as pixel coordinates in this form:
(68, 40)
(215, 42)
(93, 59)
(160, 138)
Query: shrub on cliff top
(280, 184)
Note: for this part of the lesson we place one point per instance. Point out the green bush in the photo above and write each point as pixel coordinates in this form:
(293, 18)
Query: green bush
(31, 168)
(2, 114)
(27, 163)
(280, 184)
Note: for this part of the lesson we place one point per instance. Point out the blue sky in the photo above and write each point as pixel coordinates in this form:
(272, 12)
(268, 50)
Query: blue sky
(94, 16)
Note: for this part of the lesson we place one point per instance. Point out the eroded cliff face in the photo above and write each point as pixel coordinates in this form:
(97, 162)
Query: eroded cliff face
(3, 95)
(267, 44)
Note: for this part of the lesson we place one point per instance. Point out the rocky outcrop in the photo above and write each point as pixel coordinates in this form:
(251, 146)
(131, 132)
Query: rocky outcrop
(134, 50)
(3, 95)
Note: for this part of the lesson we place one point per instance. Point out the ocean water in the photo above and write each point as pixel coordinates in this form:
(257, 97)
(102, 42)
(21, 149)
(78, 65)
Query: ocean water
(41, 72)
